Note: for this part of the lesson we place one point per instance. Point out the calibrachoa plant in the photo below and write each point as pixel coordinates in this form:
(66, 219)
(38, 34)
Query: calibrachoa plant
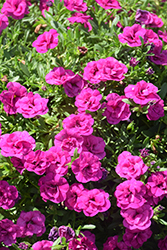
(83, 125)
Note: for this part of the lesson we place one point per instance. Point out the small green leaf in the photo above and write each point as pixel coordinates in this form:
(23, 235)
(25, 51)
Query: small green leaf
(89, 226)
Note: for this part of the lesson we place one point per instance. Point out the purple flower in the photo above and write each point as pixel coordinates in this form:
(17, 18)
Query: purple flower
(73, 193)
(36, 162)
(15, 8)
(69, 142)
(144, 152)
(17, 144)
(130, 194)
(22, 245)
(81, 18)
(149, 19)
(142, 92)
(108, 69)
(44, 5)
(66, 232)
(73, 85)
(42, 245)
(10, 97)
(87, 168)
(116, 110)
(113, 244)
(8, 232)
(162, 244)
(130, 166)
(32, 105)
(94, 145)
(81, 124)
(156, 110)
(58, 75)
(53, 234)
(150, 71)
(8, 195)
(3, 22)
(45, 41)
(53, 188)
(88, 99)
(77, 5)
(133, 62)
(160, 56)
(18, 164)
(109, 4)
(57, 161)
(83, 244)
(93, 202)
(30, 223)
(137, 218)
(163, 35)
(136, 238)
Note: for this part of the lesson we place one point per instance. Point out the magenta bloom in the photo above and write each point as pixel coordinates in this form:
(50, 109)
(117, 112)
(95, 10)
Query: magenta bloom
(88, 235)
(116, 110)
(136, 238)
(42, 245)
(131, 35)
(44, 6)
(30, 223)
(17, 144)
(81, 124)
(88, 99)
(69, 142)
(130, 166)
(163, 35)
(45, 41)
(8, 195)
(57, 161)
(83, 244)
(66, 232)
(58, 75)
(137, 218)
(74, 85)
(17, 9)
(77, 5)
(53, 188)
(87, 168)
(18, 164)
(8, 232)
(142, 92)
(157, 184)
(156, 110)
(93, 202)
(160, 56)
(130, 194)
(73, 193)
(113, 244)
(10, 97)
(149, 19)
(81, 18)
(109, 4)
(3, 22)
(108, 69)
(162, 244)
(36, 162)
(95, 145)
(32, 105)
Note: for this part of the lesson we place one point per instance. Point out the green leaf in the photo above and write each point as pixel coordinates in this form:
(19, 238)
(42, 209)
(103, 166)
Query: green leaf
(24, 69)
(56, 243)
(89, 226)
(163, 90)
(127, 101)
(163, 222)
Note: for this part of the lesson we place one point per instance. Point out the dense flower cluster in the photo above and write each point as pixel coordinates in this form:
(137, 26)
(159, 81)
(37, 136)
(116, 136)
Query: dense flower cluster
(149, 19)
(17, 9)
